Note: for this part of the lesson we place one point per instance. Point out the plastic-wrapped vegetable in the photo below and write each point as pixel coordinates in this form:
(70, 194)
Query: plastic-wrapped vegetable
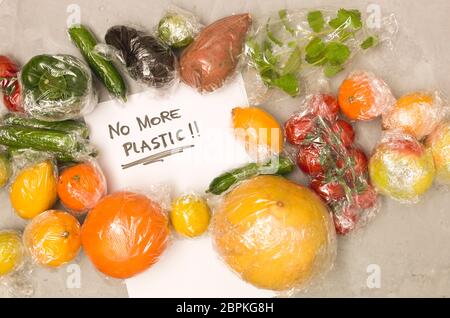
(57, 87)
(274, 234)
(177, 28)
(416, 113)
(81, 186)
(338, 169)
(286, 46)
(364, 96)
(53, 238)
(214, 55)
(439, 143)
(9, 84)
(148, 59)
(401, 167)
(124, 234)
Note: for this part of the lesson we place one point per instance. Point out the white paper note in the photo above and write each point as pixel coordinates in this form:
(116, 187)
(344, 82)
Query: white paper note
(197, 128)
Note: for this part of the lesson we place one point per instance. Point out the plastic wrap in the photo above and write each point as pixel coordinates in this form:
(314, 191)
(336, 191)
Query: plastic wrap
(325, 151)
(178, 27)
(14, 265)
(214, 55)
(53, 238)
(274, 234)
(33, 186)
(259, 131)
(439, 144)
(416, 113)
(148, 60)
(9, 84)
(364, 96)
(287, 46)
(124, 234)
(401, 168)
(57, 87)
(81, 186)
(190, 215)
(66, 140)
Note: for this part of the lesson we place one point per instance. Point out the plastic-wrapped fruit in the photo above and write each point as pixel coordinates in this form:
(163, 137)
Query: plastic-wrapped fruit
(311, 159)
(11, 252)
(259, 130)
(274, 233)
(53, 238)
(401, 168)
(190, 215)
(33, 191)
(298, 128)
(363, 96)
(81, 186)
(439, 144)
(324, 105)
(125, 234)
(416, 114)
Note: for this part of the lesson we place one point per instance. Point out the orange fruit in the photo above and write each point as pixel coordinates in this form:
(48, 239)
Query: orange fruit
(53, 238)
(363, 96)
(260, 131)
(274, 233)
(416, 113)
(81, 186)
(125, 234)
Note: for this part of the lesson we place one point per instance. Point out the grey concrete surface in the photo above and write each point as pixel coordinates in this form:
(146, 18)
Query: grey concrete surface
(409, 244)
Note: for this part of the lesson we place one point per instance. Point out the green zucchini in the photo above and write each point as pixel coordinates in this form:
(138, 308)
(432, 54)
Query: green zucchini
(280, 166)
(104, 69)
(64, 145)
(70, 126)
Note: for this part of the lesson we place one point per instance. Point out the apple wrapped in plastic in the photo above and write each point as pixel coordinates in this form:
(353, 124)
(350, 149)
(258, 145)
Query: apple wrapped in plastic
(401, 167)
(439, 144)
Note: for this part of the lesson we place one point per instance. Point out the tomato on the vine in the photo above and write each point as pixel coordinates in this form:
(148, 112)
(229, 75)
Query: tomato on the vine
(311, 159)
(328, 191)
(298, 127)
(324, 105)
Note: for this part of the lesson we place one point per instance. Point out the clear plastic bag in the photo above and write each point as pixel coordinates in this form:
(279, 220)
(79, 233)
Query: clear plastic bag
(286, 47)
(57, 87)
(125, 233)
(274, 234)
(401, 168)
(214, 54)
(147, 59)
(178, 27)
(14, 264)
(416, 113)
(324, 150)
(53, 238)
(81, 186)
(9, 85)
(364, 96)
(439, 144)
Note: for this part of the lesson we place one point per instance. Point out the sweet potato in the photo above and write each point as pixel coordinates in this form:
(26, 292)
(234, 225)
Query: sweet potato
(214, 54)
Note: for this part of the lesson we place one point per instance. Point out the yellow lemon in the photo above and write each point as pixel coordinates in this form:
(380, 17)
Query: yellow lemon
(190, 215)
(274, 233)
(34, 190)
(11, 251)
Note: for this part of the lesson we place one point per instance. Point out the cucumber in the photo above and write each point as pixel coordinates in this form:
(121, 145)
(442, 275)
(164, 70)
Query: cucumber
(104, 69)
(223, 182)
(62, 144)
(70, 126)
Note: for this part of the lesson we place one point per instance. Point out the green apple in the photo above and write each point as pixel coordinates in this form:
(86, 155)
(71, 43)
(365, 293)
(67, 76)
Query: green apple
(439, 144)
(401, 168)
(11, 252)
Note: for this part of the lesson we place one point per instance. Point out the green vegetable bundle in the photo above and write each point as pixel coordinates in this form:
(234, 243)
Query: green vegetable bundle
(285, 47)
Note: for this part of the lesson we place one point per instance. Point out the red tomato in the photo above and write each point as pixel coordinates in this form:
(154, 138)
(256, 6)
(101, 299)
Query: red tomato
(345, 132)
(13, 101)
(359, 162)
(324, 105)
(346, 219)
(366, 199)
(8, 68)
(308, 159)
(329, 192)
(298, 127)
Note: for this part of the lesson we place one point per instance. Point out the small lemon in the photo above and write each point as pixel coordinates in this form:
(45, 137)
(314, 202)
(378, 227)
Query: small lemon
(11, 251)
(190, 215)
(34, 190)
